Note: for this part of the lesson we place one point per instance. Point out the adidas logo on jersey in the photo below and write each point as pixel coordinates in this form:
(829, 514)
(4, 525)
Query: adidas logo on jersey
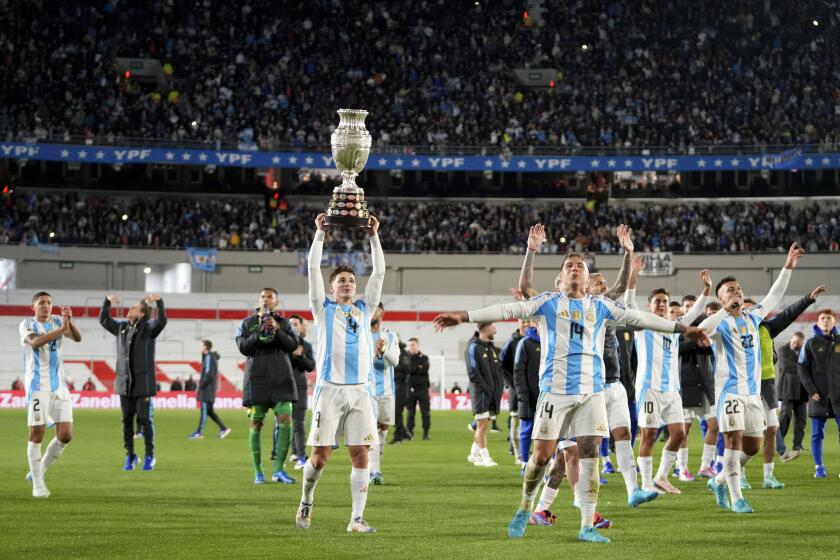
(369, 437)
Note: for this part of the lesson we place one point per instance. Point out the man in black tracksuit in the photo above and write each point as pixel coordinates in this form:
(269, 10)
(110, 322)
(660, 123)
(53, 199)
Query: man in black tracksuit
(135, 382)
(418, 379)
(269, 385)
(627, 363)
(486, 386)
(792, 393)
(208, 384)
(819, 370)
(303, 361)
(526, 383)
(506, 358)
(401, 393)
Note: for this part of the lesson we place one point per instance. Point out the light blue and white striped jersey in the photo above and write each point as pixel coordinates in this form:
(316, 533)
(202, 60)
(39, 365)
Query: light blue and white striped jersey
(658, 365)
(735, 343)
(345, 347)
(571, 336)
(44, 366)
(383, 368)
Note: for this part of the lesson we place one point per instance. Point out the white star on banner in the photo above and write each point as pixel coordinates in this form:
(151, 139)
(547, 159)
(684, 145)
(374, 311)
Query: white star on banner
(170, 156)
(611, 163)
(185, 156)
(382, 161)
(309, 160)
(718, 162)
(488, 163)
(398, 162)
(292, 159)
(415, 162)
(275, 159)
(100, 154)
(83, 154)
(826, 161)
(809, 161)
(735, 162)
(522, 164)
(701, 163)
(202, 157)
(594, 163)
(506, 164)
(628, 163)
(65, 153)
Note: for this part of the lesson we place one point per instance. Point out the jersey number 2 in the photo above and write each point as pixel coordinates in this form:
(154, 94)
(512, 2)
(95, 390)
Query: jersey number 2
(36, 403)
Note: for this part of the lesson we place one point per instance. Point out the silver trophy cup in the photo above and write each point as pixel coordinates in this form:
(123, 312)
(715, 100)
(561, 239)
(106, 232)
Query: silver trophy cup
(350, 149)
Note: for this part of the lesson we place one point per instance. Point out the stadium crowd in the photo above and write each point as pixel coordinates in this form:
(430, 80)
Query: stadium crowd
(33, 218)
(635, 73)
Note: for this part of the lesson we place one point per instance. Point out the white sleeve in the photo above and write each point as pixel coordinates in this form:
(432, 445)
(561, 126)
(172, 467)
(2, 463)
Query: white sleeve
(774, 296)
(26, 331)
(373, 290)
(641, 319)
(630, 299)
(505, 311)
(695, 311)
(316, 279)
(710, 323)
(392, 350)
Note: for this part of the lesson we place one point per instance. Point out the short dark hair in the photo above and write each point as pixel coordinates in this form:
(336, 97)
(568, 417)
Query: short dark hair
(39, 294)
(656, 291)
(826, 311)
(482, 326)
(689, 297)
(799, 334)
(570, 255)
(296, 316)
(674, 304)
(270, 290)
(145, 309)
(714, 306)
(381, 306)
(339, 269)
(414, 339)
(751, 301)
(723, 281)
(207, 344)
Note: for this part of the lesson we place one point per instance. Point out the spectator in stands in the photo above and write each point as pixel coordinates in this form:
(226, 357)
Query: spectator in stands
(456, 389)
(176, 385)
(17, 384)
(89, 385)
(189, 384)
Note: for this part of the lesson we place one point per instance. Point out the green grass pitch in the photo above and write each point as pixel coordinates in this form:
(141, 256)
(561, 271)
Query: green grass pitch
(201, 502)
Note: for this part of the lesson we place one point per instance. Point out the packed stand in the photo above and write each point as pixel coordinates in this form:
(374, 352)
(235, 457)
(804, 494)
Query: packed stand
(30, 217)
(432, 73)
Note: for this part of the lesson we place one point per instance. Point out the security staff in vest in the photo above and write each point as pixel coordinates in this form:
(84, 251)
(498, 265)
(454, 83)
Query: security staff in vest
(418, 379)
(135, 382)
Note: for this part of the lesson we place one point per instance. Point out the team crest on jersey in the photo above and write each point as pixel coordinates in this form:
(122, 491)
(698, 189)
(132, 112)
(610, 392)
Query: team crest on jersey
(590, 316)
(564, 314)
(743, 330)
(37, 417)
(576, 315)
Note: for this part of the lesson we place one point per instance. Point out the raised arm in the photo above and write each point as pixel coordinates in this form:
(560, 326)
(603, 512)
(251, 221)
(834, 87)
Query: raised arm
(699, 304)
(638, 263)
(313, 264)
(105, 318)
(536, 237)
(625, 238)
(160, 322)
(789, 314)
(72, 331)
(711, 322)
(373, 290)
(774, 296)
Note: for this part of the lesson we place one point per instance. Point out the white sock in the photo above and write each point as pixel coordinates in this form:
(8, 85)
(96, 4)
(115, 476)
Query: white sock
(54, 451)
(310, 480)
(33, 453)
(587, 491)
(547, 498)
(474, 449)
(732, 472)
(682, 459)
(626, 465)
(666, 464)
(359, 479)
(768, 469)
(708, 456)
(373, 458)
(383, 437)
(646, 470)
(743, 458)
(533, 478)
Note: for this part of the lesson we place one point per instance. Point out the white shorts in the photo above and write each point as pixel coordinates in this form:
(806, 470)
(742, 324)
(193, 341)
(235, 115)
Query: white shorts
(385, 409)
(484, 416)
(342, 409)
(618, 409)
(656, 408)
(771, 416)
(741, 413)
(568, 416)
(44, 407)
(566, 443)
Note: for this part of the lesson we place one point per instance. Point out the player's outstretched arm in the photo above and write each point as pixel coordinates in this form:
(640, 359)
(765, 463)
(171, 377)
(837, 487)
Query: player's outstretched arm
(625, 238)
(105, 318)
(536, 237)
(373, 290)
(777, 291)
(653, 322)
(492, 313)
(317, 296)
(700, 303)
(788, 315)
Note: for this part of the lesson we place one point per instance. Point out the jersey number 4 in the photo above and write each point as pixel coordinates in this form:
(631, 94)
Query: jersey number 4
(352, 324)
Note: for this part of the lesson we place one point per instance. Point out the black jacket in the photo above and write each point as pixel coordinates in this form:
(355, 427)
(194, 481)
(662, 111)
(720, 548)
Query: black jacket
(697, 377)
(135, 351)
(268, 370)
(485, 373)
(612, 369)
(627, 361)
(506, 358)
(418, 371)
(819, 370)
(208, 383)
(788, 385)
(526, 376)
(303, 364)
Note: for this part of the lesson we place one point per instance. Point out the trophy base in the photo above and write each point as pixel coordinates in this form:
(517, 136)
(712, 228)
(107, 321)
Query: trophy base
(347, 221)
